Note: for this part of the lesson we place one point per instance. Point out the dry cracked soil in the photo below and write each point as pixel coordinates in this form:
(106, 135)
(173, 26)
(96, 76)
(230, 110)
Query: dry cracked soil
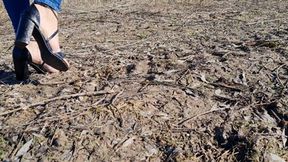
(167, 80)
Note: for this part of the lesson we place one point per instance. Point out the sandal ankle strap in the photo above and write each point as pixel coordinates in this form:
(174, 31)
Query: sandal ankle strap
(52, 36)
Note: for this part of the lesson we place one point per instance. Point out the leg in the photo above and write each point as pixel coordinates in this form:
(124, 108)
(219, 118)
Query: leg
(14, 9)
(51, 23)
(41, 21)
(48, 10)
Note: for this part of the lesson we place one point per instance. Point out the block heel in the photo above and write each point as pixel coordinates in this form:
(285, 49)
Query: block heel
(20, 60)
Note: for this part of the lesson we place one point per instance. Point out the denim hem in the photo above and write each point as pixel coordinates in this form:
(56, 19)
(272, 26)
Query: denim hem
(54, 4)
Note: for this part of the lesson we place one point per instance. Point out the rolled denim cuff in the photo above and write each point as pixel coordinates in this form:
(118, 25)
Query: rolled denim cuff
(54, 4)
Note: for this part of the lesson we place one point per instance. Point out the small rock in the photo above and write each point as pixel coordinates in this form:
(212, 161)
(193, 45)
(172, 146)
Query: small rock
(14, 138)
(218, 92)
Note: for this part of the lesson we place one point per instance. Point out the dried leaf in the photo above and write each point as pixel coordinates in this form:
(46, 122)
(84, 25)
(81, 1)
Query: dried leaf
(203, 78)
(129, 141)
(269, 157)
(284, 138)
(24, 149)
(188, 91)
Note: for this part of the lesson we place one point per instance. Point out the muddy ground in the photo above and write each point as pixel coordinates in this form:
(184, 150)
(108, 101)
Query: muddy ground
(154, 81)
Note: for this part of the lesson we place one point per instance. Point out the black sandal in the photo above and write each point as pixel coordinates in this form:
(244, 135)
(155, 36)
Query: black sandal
(28, 26)
(20, 60)
(38, 67)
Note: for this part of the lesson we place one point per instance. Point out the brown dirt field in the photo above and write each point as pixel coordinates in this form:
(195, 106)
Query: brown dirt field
(153, 81)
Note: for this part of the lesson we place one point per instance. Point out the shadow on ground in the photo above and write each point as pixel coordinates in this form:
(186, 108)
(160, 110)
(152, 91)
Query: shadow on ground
(7, 77)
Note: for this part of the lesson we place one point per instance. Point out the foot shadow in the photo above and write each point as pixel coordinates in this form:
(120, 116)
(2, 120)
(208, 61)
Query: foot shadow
(7, 77)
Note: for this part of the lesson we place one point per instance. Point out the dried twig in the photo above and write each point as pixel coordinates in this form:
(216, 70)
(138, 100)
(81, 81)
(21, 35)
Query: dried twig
(207, 112)
(113, 99)
(265, 21)
(183, 75)
(44, 102)
(54, 83)
(277, 75)
(143, 87)
(63, 117)
(5, 50)
(14, 152)
(77, 114)
(223, 97)
(226, 86)
(54, 134)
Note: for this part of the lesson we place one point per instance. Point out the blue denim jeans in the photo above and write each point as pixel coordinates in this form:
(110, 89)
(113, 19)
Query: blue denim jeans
(54, 4)
(16, 7)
